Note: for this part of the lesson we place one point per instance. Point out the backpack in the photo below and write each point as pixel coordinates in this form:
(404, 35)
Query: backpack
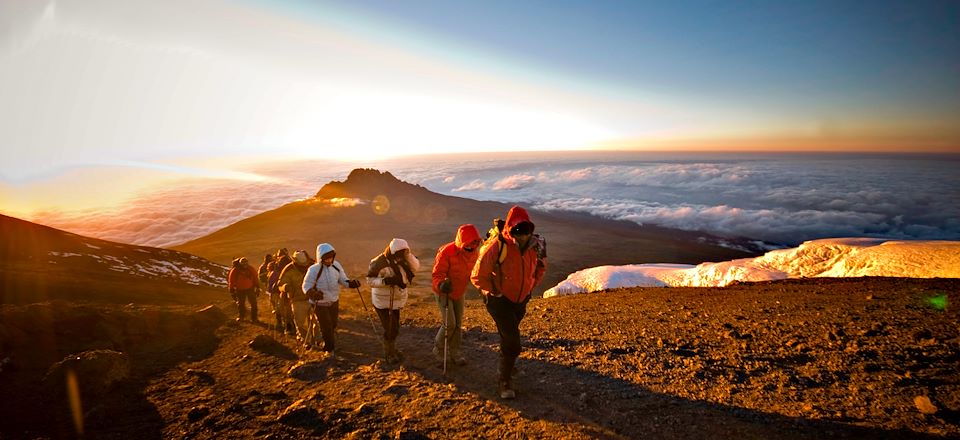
(538, 244)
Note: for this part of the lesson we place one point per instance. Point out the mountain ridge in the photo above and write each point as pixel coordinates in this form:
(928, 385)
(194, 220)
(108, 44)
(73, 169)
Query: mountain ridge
(361, 214)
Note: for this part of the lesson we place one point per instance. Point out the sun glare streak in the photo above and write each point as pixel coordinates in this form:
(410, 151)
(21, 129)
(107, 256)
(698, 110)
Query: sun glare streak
(76, 408)
(368, 124)
(109, 184)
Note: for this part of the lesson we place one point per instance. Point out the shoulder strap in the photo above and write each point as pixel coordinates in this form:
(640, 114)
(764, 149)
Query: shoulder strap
(502, 255)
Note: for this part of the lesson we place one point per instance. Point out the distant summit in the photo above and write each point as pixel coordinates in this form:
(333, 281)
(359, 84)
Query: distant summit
(367, 183)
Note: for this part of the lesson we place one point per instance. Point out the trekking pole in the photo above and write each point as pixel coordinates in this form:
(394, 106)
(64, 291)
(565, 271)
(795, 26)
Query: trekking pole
(369, 317)
(446, 330)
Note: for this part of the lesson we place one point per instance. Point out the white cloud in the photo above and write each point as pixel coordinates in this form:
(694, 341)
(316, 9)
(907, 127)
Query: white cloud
(514, 182)
(475, 185)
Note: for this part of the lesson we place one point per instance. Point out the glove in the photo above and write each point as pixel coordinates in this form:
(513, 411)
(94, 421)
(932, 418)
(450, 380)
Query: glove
(446, 286)
(395, 280)
(353, 284)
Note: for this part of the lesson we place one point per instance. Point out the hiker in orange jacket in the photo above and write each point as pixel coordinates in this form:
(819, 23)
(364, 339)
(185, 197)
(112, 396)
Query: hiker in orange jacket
(243, 281)
(506, 280)
(451, 276)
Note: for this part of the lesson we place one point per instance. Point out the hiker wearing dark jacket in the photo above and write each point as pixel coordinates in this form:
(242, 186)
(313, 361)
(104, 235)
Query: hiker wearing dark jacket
(388, 276)
(283, 311)
(451, 276)
(244, 285)
(291, 289)
(326, 276)
(506, 279)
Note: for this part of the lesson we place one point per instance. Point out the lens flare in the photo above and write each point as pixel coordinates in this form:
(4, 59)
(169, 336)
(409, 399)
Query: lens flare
(381, 205)
(938, 302)
(73, 394)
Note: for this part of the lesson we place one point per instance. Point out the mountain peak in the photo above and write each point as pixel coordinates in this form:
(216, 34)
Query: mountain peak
(367, 183)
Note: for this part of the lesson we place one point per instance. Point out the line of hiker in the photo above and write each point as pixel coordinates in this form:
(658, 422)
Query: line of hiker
(505, 268)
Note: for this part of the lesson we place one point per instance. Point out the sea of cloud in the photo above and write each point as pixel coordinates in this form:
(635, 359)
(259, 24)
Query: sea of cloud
(778, 198)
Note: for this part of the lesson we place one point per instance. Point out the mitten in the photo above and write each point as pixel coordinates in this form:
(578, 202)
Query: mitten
(353, 284)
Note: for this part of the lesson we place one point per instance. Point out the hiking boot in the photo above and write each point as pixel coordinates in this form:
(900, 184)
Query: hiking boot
(387, 352)
(506, 391)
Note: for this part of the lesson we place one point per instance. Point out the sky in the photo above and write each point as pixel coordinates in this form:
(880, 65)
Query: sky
(100, 98)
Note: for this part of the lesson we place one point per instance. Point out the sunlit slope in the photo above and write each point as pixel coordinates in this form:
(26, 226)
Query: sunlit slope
(360, 215)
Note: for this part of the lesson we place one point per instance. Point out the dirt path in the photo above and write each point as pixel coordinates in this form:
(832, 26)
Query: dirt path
(800, 359)
(675, 364)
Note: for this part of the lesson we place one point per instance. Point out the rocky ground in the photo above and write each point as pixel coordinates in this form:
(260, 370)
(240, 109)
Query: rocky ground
(816, 358)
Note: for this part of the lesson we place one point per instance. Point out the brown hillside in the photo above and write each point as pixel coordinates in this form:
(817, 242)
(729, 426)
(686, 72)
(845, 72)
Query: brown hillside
(39, 263)
(428, 220)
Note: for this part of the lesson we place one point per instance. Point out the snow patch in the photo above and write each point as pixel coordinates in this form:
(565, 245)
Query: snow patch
(64, 254)
(833, 257)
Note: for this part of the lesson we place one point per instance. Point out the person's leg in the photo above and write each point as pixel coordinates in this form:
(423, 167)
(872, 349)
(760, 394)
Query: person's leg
(505, 315)
(456, 329)
(289, 320)
(395, 319)
(252, 297)
(276, 306)
(442, 307)
(300, 311)
(335, 321)
(326, 326)
(241, 306)
(384, 315)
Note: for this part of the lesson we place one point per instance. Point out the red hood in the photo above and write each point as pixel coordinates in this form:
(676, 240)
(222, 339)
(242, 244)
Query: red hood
(466, 234)
(516, 216)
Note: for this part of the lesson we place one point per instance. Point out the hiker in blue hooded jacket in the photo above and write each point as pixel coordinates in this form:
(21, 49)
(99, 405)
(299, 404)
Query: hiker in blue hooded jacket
(322, 284)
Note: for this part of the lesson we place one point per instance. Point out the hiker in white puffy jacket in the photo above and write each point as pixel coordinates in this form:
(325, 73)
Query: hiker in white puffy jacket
(322, 286)
(389, 275)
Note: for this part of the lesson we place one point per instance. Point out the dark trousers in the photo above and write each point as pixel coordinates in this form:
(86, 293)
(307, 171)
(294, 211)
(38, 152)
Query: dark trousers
(327, 317)
(507, 315)
(390, 319)
(245, 296)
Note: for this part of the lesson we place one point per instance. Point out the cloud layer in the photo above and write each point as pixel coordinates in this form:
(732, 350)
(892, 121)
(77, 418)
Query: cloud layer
(776, 198)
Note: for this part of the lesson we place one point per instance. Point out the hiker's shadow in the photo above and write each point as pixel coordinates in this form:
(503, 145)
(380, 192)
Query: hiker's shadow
(604, 405)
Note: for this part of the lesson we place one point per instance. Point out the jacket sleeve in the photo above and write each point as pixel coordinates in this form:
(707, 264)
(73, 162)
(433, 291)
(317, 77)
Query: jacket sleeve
(441, 267)
(310, 279)
(374, 278)
(274, 281)
(342, 277)
(540, 271)
(231, 278)
(283, 284)
(413, 261)
(482, 275)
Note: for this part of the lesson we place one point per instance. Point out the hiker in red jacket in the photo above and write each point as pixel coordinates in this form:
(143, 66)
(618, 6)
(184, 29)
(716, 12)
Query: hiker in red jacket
(244, 284)
(451, 276)
(506, 279)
